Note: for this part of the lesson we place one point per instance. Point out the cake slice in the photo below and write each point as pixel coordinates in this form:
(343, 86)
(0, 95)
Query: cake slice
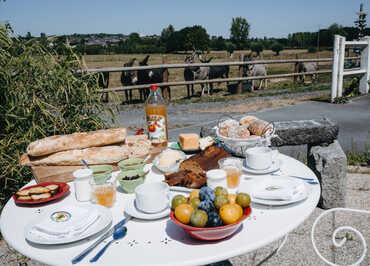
(205, 160)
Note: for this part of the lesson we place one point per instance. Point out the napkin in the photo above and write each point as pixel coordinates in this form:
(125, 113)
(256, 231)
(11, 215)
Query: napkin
(277, 192)
(70, 221)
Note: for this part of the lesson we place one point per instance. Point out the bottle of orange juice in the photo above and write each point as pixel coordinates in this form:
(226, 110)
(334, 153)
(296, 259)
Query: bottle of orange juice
(156, 117)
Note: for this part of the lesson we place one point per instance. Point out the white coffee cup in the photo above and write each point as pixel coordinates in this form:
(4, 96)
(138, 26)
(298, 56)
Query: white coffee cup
(260, 158)
(152, 197)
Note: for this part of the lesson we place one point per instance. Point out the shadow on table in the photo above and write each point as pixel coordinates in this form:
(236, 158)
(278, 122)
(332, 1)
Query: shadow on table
(176, 233)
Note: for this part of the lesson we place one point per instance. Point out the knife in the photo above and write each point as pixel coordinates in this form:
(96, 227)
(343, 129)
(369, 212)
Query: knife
(109, 233)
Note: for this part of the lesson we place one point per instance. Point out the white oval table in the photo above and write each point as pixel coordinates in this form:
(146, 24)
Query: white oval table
(162, 242)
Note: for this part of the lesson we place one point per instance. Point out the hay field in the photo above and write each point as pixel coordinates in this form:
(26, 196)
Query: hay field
(179, 92)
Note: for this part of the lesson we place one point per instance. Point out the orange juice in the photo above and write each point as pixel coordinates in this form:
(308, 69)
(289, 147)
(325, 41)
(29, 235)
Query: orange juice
(104, 195)
(156, 117)
(232, 177)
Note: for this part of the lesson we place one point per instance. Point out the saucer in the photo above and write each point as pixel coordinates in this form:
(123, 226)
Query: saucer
(131, 209)
(275, 166)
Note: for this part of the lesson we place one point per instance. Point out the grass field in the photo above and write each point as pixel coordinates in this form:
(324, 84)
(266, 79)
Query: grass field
(179, 92)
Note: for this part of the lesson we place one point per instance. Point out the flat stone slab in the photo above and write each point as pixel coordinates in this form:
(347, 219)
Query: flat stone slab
(304, 132)
(298, 132)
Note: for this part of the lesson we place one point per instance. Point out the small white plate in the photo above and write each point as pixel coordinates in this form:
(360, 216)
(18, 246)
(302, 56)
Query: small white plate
(104, 220)
(260, 183)
(275, 166)
(130, 209)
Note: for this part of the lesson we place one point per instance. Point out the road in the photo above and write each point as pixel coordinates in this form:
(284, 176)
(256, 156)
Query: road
(353, 118)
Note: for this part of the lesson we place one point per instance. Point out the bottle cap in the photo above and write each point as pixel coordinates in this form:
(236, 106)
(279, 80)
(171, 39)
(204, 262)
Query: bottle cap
(154, 87)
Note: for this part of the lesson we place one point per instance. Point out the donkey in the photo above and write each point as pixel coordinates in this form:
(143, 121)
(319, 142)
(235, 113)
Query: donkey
(143, 78)
(189, 73)
(156, 75)
(256, 70)
(103, 82)
(307, 67)
(129, 78)
(203, 74)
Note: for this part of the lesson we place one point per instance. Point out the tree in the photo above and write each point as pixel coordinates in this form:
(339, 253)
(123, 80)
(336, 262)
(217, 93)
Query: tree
(257, 47)
(166, 33)
(239, 32)
(43, 39)
(230, 47)
(277, 48)
(28, 36)
(195, 37)
(218, 43)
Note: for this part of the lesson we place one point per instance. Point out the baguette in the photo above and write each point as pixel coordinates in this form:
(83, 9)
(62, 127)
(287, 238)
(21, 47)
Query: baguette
(76, 141)
(94, 155)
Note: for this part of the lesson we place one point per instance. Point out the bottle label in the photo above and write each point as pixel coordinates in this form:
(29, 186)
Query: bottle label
(157, 128)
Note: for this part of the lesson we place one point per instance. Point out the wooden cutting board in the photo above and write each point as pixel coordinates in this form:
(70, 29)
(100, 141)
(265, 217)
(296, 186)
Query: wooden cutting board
(64, 173)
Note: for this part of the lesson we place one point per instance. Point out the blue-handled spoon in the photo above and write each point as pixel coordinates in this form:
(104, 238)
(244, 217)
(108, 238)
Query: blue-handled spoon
(119, 233)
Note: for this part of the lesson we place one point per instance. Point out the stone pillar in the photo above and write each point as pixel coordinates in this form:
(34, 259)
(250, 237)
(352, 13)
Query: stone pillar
(329, 163)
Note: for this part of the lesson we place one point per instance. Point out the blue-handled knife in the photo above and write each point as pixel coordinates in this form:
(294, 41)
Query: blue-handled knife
(109, 233)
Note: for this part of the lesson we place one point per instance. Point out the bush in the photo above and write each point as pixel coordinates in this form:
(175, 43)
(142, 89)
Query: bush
(40, 96)
(340, 100)
(353, 88)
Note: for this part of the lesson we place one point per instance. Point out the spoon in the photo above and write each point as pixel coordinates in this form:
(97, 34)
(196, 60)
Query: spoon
(85, 163)
(119, 233)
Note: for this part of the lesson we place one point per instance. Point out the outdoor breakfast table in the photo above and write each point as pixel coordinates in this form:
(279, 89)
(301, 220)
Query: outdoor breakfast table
(162, 242)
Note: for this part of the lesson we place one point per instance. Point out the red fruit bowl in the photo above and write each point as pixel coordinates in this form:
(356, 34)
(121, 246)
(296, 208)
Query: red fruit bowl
(212, 233)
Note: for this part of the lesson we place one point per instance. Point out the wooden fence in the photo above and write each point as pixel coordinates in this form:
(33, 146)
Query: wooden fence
(239, 79)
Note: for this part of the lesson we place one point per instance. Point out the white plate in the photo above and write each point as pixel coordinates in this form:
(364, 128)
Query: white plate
(260, 183)
(275, 166)
(104, 220)
(130, 209)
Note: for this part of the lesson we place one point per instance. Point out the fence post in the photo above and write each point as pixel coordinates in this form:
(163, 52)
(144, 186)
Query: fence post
(165, 78)
(240, 83)
(365, 64)
(295, 70)
(334, 74)
(342, 45)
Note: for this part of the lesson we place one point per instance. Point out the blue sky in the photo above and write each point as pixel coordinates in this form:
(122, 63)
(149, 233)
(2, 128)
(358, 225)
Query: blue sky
(272, 18)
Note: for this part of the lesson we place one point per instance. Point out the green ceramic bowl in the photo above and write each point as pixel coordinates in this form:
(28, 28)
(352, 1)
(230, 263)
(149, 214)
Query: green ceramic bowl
(128, 185)
(101, 173)
(131, 164)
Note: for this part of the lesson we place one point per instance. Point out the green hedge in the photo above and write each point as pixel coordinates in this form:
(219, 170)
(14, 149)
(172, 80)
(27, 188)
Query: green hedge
(40, 96)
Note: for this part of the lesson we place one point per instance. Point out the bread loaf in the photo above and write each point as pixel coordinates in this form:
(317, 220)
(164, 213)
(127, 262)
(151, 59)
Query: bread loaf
(205, 160)
(76, 141)
(94, 155)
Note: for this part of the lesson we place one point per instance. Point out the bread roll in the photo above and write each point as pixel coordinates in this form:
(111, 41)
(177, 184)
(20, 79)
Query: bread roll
(260, 127)
(76, 141)
(226, 125)
(248, 119)
(95, 155)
